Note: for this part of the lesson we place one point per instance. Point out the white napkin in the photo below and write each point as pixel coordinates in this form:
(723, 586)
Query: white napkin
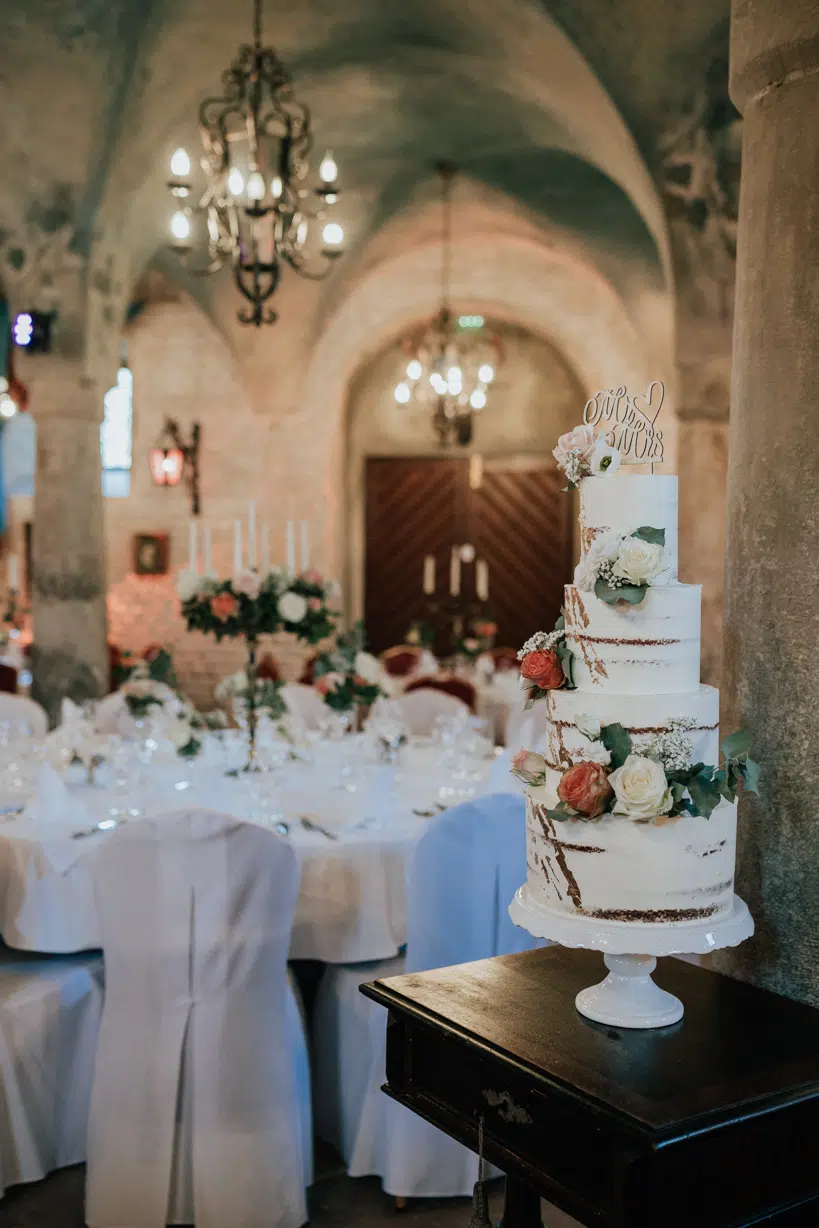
(56, 816)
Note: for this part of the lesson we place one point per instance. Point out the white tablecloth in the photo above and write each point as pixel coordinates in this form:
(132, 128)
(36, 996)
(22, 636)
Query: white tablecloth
(352, 900)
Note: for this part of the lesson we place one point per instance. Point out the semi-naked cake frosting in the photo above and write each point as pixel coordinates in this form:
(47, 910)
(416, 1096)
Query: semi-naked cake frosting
(636, 666)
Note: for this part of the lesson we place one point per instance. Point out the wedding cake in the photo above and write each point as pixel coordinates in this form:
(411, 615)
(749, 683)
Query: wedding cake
(630, 817)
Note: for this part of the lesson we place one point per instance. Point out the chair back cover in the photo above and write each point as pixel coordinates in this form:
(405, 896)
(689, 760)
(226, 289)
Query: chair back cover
(527, 729)
(193, 1114)
(401, 660)
(304, 703)
(24, 711)
(463, 876)
(420, 709)
(448, 684)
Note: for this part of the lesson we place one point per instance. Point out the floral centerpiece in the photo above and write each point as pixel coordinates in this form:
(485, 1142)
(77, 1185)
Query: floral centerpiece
(251, 605)
(644, 778)
(421, 634)
(150, 683)
(476, 638)
(348, 678)
(620, 568)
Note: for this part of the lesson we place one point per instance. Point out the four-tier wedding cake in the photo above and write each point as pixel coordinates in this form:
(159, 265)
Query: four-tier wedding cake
(630, 816)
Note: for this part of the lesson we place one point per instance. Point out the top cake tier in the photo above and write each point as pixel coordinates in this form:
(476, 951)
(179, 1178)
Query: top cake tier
(623, 502)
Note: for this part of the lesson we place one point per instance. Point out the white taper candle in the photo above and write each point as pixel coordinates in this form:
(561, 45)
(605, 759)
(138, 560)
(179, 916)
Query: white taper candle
(13, 572)
(305, 545)
(207, 534)
(291, 548)
(455, 573)
(265, 548)
(251, 535)
(237, 547)
(482, 580)
(193, 546)
(429, 574)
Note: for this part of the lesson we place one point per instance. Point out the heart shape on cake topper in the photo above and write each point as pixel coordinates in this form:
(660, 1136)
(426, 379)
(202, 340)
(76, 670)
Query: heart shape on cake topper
(629, 422)
(647, 401)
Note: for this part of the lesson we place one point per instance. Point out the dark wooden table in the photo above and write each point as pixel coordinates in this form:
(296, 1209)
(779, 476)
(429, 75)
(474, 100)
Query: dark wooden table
(710, 1123)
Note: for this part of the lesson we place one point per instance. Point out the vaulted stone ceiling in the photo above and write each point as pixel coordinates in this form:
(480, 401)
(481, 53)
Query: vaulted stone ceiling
(93, 91)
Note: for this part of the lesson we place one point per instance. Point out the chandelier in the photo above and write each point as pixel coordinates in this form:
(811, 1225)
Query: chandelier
(452, 362)
(256, 208)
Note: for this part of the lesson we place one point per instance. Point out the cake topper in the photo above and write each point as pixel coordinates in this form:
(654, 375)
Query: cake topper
(629, 422)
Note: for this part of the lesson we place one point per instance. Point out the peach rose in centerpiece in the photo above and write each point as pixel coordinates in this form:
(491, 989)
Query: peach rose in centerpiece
(485, 630)
(312, 576)
(223, 606)
(585, 787)
(543, 669)
(249, 583)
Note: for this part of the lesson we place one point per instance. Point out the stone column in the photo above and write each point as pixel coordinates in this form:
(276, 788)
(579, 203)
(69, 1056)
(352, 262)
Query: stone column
(702, 448)
(772, 573)
(70, 655)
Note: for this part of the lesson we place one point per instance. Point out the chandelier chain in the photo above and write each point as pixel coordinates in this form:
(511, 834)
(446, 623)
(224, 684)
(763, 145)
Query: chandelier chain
(257, 24)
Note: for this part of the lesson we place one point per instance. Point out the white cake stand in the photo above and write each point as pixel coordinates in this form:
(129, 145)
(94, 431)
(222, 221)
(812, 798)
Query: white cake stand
(628, 997)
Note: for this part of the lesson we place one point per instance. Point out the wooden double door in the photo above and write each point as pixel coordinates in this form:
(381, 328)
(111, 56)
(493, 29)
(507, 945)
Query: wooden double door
(515, 517)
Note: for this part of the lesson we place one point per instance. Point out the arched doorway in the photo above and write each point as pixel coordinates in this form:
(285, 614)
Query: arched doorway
(407, 498)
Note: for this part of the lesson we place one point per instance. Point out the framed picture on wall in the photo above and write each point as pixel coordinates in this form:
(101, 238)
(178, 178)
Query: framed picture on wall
(151, 554)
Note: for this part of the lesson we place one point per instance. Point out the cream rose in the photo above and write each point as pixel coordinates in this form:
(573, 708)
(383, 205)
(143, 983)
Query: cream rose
(603, 547)
(639, 562)
(641, 789)
(292, 607)
(530, 767)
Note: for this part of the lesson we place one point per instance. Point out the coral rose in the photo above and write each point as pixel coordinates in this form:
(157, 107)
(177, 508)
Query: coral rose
(312, 576)
(223, 606)
(543, 669)
(585, 787)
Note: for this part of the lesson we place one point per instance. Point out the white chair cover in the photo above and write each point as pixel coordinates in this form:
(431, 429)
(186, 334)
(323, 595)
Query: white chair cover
(466, 869)
(305, 704)
(49, 1021)
(421, 709)
(200, 1109)
(24, 711)
(527, 729)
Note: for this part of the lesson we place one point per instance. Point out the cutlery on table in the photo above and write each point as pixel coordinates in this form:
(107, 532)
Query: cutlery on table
(103, 825)
(309, 825)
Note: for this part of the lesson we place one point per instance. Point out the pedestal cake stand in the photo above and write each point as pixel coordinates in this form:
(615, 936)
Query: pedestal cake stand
(628, 997)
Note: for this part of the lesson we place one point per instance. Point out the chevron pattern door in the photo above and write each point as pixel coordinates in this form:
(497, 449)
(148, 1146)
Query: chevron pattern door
(517, 520)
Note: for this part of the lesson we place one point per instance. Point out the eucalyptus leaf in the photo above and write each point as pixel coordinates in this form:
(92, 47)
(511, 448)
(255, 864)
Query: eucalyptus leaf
(704, 794)
(737, 744)
(562, 812)
(617, 741)
(646, 533)
(633, 594)
(749, 770)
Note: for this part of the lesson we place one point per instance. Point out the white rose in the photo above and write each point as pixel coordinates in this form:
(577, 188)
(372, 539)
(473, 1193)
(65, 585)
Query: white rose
(367, 667)
(188, 584)
(604, 460)
(641, 789)
(603, 547)
(292, 607)
(639, 562)
(178, 733)
(589, 726)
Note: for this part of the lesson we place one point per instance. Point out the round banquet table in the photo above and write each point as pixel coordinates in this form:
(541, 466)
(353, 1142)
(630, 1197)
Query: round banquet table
(352, 900)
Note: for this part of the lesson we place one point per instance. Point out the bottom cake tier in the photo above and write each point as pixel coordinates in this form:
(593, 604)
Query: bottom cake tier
(674, 871)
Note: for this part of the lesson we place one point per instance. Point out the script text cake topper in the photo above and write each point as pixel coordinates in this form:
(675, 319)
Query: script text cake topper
(629, 422)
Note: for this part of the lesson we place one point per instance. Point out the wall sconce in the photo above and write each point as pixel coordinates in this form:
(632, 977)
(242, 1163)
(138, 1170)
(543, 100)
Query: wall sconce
(172, 459)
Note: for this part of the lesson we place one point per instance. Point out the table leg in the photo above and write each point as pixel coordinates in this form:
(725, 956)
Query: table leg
(521, 1205)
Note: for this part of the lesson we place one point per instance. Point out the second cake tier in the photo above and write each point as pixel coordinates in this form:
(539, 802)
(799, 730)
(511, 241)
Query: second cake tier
(650, 648)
